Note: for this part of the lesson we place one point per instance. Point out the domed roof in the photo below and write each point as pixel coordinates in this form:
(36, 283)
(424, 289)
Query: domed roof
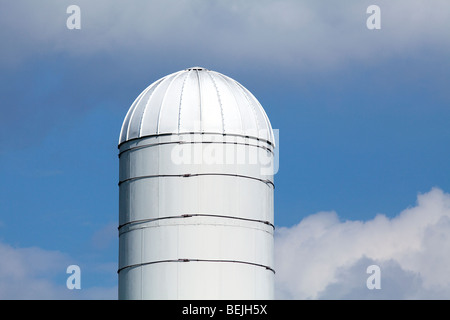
(196, 100)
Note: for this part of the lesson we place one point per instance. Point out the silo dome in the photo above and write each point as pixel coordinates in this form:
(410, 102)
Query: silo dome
(196, 100)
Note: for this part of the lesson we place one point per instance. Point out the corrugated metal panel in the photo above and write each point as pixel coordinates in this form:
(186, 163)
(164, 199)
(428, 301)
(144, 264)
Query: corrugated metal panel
(181, 281)
(198, 237)
(203, 156)
(151, 198)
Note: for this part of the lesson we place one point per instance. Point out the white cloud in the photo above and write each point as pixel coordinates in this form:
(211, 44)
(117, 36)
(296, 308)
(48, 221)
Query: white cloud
(323, 257)
(288, 33)
(35, 273)
(24, 272)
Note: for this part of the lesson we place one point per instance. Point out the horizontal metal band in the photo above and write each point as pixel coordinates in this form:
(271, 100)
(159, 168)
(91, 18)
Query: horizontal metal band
(200, 133)
(192, 142)
(186, 175)
(196, 215)
(196, 260)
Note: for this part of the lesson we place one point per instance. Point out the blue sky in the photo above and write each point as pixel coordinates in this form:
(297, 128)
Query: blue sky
(363, 117)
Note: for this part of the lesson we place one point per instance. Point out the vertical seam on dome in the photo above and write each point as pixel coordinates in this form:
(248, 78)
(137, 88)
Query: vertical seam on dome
(157, 83)
(181, 99)
(269, 126)
(128, 116)
(163, 100)
(220, 102)
(237, 103)
(135, 108)
(271, 137)
(258, 125)
(199, 99)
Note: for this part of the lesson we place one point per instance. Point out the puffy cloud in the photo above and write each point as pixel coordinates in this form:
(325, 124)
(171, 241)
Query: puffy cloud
(323, 257)
(35, 273)
(25, 273)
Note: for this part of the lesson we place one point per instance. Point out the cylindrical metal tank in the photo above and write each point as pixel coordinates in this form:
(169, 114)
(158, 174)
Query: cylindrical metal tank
(196, 187)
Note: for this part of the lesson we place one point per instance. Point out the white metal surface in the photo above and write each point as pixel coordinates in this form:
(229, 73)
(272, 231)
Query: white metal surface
(196, 100)
(183, 281)
(196, 209)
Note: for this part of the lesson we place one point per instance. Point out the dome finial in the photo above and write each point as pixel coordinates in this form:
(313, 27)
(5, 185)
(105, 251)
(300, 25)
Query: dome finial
(196, 68)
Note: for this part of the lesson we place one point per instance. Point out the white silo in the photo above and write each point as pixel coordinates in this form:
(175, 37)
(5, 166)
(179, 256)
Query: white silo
(196, 191)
